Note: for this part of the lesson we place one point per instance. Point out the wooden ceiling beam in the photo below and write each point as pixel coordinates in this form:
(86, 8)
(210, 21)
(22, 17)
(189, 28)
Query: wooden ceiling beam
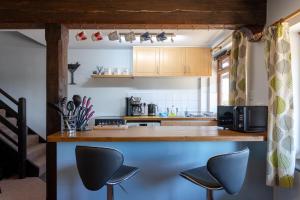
(171, 14)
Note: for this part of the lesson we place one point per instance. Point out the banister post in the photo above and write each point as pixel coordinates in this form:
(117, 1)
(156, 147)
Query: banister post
(22, 137)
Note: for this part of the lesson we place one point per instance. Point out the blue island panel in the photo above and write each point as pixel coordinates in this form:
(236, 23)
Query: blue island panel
(160, 164)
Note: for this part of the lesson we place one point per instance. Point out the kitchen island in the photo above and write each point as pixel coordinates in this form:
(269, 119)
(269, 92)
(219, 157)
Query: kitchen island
(159, 133)
(161, 153)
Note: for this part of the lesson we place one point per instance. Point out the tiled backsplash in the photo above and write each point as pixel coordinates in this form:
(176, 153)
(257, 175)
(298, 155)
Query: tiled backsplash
(184, 100)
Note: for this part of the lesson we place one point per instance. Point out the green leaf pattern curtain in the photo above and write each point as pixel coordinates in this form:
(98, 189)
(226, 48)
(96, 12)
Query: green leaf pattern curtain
(237, 94)
(281, 149)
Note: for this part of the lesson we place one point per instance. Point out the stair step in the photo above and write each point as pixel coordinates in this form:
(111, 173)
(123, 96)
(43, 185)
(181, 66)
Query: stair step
(40, 162)
(36, 151)
(31, 139)
(3, 112)
(12, 120)
(4, 139)
(8, 132)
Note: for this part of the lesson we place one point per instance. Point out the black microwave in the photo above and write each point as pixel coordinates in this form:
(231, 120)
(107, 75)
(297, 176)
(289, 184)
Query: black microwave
(243, 118)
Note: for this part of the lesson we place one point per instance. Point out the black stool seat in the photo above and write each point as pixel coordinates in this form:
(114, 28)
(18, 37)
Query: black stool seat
(202, 177)
(226, 171)
(99, 166)
(123, 173)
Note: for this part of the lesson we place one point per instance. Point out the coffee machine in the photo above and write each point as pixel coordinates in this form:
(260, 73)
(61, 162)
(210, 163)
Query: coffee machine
(134, 106)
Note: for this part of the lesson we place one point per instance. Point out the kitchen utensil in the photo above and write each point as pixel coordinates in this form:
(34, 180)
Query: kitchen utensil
(69, 124)
(70, 107)
(88, 102)
(85, 112)
(83, 101)
(83, 124)
(62, 103)
(77, 102)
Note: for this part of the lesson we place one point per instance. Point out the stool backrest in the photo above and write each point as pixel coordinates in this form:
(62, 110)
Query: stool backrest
(96, 165)
(230, 170)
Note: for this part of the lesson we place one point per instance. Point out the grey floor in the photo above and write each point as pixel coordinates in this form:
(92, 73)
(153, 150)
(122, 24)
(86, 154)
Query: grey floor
(23, 189)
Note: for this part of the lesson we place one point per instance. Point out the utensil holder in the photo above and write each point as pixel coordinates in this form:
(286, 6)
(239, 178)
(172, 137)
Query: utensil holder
(68, 124)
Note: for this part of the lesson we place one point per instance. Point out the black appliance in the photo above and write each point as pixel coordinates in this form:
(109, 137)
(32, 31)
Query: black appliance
(152, 108)
(243, 118)
(134, 106)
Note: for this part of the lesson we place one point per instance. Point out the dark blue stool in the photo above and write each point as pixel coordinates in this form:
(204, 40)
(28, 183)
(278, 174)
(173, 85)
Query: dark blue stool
(99, 166)
(225, 171)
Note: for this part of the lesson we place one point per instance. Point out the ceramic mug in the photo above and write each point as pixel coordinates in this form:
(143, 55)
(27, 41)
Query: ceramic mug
(145, 37)
(112, 36)
(129, 37)
(161, 37)
(81, 36)
(97, 36)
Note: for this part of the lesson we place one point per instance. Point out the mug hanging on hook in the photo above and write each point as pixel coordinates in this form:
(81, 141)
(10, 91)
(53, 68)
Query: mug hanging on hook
(97, 36)
(161, 37)
(113, 36)
(145, 37)
(80, 36)
(130, 37)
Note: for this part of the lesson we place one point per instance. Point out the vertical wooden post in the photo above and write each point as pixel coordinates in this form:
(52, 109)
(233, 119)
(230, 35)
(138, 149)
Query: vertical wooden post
(22, 137)
(57, 38)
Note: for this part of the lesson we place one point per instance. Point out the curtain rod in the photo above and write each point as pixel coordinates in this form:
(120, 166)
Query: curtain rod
(218, 46)
(287, 18)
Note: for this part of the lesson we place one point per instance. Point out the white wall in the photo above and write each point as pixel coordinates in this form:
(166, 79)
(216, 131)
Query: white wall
(277, 9)
(23, 74)
(257, 75)
(109, 94)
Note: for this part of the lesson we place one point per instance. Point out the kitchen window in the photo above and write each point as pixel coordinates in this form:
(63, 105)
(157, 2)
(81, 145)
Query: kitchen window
(223, 79)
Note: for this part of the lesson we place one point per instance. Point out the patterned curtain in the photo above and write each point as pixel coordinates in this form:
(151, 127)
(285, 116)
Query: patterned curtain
(281, 149)
(237, 94)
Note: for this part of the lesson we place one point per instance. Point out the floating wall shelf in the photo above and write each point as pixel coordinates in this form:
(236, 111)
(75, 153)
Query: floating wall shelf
(111, 76)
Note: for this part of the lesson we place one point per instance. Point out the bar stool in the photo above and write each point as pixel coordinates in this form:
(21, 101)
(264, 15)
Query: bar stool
(225, 171)
(99, 166)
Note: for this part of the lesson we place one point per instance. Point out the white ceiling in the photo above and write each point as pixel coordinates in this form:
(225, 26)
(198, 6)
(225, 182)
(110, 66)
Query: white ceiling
(200, 38)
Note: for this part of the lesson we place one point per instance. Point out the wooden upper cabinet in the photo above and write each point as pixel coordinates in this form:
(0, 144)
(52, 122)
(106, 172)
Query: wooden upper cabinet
(171, 61)
(145, 61)
(197, 61)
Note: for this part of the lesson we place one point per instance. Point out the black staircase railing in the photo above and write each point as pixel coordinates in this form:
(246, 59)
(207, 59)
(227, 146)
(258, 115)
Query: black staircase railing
(21, 131)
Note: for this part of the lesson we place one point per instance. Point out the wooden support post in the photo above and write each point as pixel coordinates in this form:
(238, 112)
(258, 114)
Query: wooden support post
(22, 137)
(57, 38)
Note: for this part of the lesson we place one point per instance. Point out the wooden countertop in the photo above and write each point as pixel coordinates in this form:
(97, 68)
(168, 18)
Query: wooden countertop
(158, 133)
(158, 118)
